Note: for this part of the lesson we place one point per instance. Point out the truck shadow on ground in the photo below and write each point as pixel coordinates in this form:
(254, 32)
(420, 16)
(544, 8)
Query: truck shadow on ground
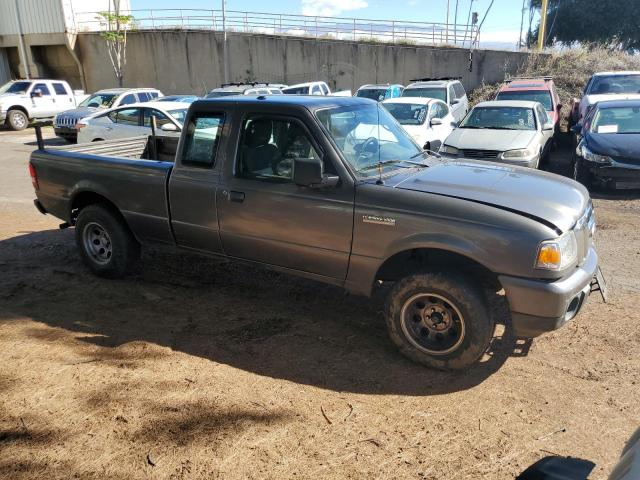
(249, 318)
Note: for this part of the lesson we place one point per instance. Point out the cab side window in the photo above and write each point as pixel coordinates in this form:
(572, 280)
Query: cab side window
(316, 90)
(269, 146)
(144, 96)
(452, 94)
(43, 88)
(201, 139)
(59, 89)
(459, 89)
(126, 116)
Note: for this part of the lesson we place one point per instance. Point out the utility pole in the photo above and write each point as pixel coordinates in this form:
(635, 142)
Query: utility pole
(542, 30)
(448, 2)
(455, 24)
(524, 2)
(225, 54)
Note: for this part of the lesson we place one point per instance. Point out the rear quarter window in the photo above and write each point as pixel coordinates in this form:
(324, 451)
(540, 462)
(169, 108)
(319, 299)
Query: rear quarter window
(60, 89)
(459, 89)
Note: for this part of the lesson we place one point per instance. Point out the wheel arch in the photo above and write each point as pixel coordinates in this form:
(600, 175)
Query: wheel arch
(434, 258)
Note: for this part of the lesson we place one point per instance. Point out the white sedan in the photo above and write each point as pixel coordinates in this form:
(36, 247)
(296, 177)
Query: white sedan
(133, 120)
(428, 120)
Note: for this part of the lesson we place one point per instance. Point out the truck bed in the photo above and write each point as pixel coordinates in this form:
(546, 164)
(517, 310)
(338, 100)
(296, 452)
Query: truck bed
(134, 147)
(117, 170)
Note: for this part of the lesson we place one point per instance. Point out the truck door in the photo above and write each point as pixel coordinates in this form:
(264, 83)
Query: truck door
(265, 217)
(43, 103)
(193, 183)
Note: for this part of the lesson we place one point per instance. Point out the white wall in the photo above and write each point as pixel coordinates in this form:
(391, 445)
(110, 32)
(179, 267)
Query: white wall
(51, 16)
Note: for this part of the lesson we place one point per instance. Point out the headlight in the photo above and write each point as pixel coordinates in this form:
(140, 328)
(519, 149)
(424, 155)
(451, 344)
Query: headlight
(448, 150)
(588, 155)
(559, 253)
(519, 154)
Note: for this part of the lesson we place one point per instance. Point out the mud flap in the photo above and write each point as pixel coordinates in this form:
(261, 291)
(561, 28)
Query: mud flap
(599, 284)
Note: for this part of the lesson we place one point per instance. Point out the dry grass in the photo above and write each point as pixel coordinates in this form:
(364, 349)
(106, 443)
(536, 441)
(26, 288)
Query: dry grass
(570, 69)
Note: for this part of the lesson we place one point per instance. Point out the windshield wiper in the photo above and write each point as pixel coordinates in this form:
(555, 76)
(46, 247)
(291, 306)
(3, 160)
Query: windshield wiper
(379, 164)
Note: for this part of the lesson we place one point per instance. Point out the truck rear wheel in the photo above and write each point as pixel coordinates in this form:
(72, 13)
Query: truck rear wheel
(440, 320)
(17, 120)
(106, 244)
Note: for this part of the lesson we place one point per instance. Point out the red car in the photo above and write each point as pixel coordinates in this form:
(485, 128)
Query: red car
(540, 89)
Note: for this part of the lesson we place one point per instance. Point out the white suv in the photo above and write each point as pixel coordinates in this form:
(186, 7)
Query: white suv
(64, 124)
(449, 90)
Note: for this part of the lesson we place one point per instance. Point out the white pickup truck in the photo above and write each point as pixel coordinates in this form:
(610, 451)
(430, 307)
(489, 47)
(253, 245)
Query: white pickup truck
(22, 101)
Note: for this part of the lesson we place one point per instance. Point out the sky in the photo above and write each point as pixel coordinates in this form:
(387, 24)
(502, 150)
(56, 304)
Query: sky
(501, 26)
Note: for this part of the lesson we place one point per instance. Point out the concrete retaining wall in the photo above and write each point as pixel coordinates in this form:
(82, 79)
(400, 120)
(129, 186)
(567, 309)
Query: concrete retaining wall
(184, 62)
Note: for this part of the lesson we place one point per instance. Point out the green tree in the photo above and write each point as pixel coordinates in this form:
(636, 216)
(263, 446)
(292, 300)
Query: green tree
(610, 23)
(115, 34)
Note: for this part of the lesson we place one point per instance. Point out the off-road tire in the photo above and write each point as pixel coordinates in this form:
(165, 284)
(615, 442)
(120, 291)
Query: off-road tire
(17, 120)
(122, 249)
(465, 296)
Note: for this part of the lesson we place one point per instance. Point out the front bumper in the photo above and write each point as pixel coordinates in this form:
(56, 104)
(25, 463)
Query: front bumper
(616, 174)
(66, 132)
(538, 306)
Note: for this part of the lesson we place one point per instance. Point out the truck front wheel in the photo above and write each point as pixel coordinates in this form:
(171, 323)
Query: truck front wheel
(440, 320)
(17, 120)
(106, 244)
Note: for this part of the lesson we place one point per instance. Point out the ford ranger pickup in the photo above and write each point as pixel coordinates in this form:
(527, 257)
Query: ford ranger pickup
(333, 189)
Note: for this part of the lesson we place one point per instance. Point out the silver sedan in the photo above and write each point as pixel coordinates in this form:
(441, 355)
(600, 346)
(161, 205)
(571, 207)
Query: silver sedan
(513, 132)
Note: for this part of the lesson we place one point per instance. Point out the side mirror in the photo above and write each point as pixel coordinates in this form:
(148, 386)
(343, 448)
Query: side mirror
(559, 107)
(309, 172)
(169, 127)
(576, 129)
(436, 121)
(455, 101)
(36, 93)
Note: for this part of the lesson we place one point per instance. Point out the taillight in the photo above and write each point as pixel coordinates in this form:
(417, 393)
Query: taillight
(34, 176)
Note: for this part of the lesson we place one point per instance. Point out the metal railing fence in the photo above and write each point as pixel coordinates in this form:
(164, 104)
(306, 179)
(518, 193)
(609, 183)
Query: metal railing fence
(392, 31)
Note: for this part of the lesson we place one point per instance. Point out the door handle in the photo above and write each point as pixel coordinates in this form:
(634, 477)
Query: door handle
(236, 196)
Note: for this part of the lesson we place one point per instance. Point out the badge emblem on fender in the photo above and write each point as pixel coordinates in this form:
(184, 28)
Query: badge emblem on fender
(375, 219)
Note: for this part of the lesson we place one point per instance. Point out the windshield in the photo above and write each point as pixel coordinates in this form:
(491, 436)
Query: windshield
(377, 94)
(500, 118)
(99, 100)
(296, 91)
(613, 84)
(426, 92)
(542, 96)
(368, 137)
(15, 87)
(617, 120)
(179, 114)
(408, 113)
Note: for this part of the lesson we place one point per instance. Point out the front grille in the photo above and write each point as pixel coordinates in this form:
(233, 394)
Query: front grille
(480, 154)
(66, 121)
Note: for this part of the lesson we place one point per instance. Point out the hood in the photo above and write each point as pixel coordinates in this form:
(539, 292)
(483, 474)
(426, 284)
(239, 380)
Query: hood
(553, 200)
(500, 140)
(4, 96)
(79, 112)
(625, 145)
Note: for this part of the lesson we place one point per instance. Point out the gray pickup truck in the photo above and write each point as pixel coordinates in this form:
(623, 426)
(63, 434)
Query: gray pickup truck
(333, 189)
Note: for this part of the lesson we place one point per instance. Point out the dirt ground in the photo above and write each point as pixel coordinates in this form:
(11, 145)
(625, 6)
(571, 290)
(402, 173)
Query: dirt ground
(196, 368)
